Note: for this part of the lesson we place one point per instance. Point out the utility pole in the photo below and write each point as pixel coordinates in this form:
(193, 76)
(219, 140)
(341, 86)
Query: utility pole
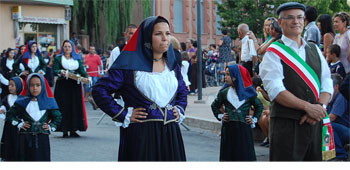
(199, 52)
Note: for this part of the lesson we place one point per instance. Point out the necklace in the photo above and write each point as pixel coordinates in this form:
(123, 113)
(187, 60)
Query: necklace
(157, 59)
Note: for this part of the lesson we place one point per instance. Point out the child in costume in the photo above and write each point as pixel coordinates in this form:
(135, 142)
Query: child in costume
(237, 96)
(9, 138)
(36, 115)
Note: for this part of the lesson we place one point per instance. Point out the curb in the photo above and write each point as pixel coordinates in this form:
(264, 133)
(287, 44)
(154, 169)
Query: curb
(205, 124)
(215, 126)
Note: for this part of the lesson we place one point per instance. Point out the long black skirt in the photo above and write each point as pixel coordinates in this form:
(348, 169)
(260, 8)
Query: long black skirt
(9, 142)
(34, 147)
(237, 143)
(68, 95)
(151, 141)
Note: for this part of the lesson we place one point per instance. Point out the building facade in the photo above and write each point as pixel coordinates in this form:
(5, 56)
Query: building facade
(182, 17)
(45, 21)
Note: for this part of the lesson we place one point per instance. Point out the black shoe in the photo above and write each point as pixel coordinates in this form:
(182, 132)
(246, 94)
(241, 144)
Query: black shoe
(65, 135)
(74, 134)
(264, 143)
(267, 145)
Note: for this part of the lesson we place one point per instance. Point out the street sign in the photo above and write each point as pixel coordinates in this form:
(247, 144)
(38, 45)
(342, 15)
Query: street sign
(16, 12)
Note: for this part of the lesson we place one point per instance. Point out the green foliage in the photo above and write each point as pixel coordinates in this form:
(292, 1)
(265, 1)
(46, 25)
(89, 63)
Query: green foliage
(147, 8)
(254, 12)
(117, 15)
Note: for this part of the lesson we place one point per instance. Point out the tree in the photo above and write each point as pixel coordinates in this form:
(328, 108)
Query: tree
(254, 12)
(104, 20)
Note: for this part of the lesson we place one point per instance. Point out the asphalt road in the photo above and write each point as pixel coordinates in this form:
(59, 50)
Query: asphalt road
(101, 143)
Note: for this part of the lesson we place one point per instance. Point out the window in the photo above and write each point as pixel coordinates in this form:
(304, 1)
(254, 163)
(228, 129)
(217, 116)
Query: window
(218, 18)
(178, 16)
(44, 34)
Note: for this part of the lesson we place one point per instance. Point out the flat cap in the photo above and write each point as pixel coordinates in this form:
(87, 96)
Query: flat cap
(290, 5)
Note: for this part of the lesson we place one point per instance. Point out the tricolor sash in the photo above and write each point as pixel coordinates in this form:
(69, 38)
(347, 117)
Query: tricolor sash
(328, 146)
(294, 61)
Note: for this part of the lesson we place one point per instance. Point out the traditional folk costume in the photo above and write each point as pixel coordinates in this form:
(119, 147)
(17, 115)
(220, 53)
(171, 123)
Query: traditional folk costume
(34, 144)
(68, 93)
(9, 139)
(237, 143)
(6, 71)
(304, 72)
(158, 137)
(32, 65)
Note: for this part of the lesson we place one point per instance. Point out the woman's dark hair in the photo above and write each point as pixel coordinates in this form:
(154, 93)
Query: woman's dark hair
(8, 52)
(195, 44)
(161, 19)
(224, 31)
(183, 46)
(325, 21)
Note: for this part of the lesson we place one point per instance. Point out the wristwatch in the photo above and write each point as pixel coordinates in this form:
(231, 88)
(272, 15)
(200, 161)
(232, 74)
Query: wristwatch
(323, 105)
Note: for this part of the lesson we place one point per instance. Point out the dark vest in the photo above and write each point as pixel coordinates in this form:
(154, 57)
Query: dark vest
(296, 85)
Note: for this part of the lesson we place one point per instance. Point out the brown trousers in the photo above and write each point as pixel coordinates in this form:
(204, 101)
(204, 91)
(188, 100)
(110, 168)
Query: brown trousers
(290, 141)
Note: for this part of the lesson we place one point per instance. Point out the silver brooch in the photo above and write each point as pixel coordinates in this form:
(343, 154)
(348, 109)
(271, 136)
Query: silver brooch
(153, 106)
(169, 107)
(148, 45)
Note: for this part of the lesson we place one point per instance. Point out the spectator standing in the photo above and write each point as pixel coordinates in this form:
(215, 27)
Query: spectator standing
(341, 22)
(225, 49)
(248, 51)
(75, 39)
(93, 68)
(130, 30)
(268, 37)
(333, 52)
(324, 23)
(312, 33)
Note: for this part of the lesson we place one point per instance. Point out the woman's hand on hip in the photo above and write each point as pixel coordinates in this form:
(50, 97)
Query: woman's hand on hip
(176, 114)
(137, 114)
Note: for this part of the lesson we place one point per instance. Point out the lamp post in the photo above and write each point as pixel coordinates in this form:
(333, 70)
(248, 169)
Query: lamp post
(199, 52)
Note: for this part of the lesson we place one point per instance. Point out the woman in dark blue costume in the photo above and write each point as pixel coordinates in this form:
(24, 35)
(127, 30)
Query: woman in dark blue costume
(150, 82)
(32, 61)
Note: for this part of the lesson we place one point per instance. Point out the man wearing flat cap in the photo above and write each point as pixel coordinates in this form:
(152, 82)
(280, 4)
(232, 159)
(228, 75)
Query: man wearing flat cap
(297, 79)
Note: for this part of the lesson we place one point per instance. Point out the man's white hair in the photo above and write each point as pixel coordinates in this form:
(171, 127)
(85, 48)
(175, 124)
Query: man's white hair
(243, 27)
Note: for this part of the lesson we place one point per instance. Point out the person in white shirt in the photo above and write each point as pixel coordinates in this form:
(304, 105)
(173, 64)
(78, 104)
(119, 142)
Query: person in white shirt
(130, 30)
(297, 109)
(248, 50)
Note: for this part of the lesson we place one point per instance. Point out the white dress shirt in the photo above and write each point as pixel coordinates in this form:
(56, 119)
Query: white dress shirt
(271, 69)
(114, 55)
(184, 70)
(248, 49)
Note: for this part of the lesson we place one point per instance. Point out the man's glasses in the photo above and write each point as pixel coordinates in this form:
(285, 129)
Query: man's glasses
(291, 18)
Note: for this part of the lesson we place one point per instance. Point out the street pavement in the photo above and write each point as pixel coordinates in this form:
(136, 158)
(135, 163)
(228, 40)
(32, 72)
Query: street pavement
(101, 142)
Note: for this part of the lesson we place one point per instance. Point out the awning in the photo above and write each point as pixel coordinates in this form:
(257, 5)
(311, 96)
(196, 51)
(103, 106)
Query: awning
(42, 20)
